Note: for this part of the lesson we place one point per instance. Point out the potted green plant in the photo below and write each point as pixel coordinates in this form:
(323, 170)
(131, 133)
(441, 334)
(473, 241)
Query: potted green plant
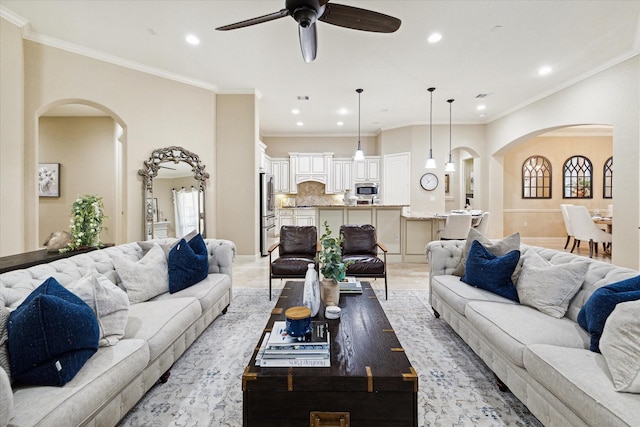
(87, 217)
(331, 266)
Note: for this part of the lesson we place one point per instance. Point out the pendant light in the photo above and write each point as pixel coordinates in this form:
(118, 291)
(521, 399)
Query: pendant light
(431, 162)
(359, 154)
(450, 167)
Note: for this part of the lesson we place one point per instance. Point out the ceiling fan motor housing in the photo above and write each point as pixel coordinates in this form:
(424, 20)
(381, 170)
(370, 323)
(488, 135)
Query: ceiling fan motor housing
(305, 12)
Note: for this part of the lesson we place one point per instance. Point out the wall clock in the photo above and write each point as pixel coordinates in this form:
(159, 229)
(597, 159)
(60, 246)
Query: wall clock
(429, 181)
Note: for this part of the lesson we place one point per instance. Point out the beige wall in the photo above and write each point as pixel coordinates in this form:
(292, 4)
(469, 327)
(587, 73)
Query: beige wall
(341, 146)
(12, 208)
(237, 180)
(542, 217)
(85, 149)
(155, 112)
(611, 97)
(415, 139)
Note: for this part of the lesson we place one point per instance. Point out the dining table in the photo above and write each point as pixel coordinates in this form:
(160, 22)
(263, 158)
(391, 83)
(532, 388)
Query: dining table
(608, 221)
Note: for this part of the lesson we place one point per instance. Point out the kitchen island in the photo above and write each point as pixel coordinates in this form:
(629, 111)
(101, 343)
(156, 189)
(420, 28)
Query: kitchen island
(404, 234)
(385, 218)
(418, 229)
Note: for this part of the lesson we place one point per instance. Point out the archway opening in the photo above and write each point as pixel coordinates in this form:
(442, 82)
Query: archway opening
(85, 143)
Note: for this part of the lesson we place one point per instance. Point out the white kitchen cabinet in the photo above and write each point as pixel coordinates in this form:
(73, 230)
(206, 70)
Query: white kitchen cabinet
(283, 217)
(342, 176)
(309, 167)
(367, 170)
(303, 217)
(280, 171)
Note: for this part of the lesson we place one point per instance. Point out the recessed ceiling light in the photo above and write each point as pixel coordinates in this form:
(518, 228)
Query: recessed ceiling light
(543, 71)
(191, 39)
(295, 111)
(481, 107)
(300, 124)
(340, 123)
(343, 111)
(434, 38)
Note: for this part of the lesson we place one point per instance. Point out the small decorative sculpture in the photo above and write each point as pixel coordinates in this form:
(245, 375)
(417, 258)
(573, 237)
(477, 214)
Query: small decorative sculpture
(58, 240)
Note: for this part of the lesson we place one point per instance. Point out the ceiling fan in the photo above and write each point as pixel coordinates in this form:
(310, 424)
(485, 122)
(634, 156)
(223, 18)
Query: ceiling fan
(307, 12)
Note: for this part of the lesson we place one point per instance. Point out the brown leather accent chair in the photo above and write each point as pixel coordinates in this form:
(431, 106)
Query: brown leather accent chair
(297, 248)
(360, 246)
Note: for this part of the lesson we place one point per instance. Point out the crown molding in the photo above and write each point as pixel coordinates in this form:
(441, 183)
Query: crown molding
(30, 35)
(12, 17)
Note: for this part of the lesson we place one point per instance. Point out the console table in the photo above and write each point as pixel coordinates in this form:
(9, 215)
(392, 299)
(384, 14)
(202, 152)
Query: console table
(29, 259)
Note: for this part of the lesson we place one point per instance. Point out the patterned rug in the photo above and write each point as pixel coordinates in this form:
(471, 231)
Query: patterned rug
(204, 389)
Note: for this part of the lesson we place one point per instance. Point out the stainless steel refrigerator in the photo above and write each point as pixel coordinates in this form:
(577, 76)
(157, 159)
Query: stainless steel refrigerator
(267, 210)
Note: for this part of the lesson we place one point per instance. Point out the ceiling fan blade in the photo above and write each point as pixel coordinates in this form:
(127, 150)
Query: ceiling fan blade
(259, 20)
(359, 19)
(308, 42)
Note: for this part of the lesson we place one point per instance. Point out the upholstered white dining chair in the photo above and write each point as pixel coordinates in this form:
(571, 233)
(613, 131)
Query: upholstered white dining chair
(483, 225)
(456, 227)
(567, 225)
(585, 229)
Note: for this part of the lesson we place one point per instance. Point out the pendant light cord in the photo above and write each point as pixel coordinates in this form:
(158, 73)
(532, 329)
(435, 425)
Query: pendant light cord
(431, 89)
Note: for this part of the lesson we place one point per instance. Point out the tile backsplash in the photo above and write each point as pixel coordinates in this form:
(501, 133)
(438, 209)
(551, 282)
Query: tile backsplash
(311, 193)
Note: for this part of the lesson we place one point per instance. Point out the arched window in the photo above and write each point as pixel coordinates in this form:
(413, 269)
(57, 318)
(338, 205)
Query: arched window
(607, 173)
(536, 178)
(576, 179)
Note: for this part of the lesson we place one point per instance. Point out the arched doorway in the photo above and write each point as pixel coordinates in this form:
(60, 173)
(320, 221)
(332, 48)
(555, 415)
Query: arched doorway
(540, 217)
(86, 141)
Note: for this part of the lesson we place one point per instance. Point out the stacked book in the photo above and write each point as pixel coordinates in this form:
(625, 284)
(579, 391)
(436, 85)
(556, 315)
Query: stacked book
(350, 286)
(279, 349)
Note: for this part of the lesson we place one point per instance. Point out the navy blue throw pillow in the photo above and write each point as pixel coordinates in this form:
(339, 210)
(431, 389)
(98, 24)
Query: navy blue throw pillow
(51, 336)
(600, 305)
(492, 273)
(188, 263)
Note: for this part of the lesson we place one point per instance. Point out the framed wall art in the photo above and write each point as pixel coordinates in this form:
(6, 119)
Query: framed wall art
(49, 179)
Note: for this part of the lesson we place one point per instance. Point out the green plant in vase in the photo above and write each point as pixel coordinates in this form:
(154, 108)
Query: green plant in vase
(331, 266)
(330, 256)
(87, 217)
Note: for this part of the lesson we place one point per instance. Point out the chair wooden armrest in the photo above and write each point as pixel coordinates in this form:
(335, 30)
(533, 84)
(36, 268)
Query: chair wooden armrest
(318, 246)
(273, 247)
(382, 247)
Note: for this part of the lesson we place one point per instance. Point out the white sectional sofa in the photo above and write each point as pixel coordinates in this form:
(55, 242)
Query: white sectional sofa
(544, 361)
(157, 333)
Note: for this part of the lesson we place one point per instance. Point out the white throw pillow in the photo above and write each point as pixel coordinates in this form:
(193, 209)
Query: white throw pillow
(109, 302)
(4, 340)
(620, 346)
(496, 247)
(548, 287)
(146, 278)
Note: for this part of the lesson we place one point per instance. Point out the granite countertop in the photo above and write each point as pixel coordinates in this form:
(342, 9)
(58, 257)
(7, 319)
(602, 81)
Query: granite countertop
(422, 216)
(342, 206)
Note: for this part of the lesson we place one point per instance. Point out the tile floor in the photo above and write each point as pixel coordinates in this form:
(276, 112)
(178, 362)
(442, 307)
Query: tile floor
(254, 274)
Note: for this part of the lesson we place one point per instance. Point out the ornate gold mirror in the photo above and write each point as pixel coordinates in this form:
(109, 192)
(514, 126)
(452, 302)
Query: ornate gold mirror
(174, 181)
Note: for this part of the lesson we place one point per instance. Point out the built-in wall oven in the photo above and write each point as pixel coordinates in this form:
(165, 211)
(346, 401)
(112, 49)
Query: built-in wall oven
(267, 210)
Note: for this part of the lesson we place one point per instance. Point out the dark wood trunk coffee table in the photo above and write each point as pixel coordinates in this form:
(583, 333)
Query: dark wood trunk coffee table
(370, 382)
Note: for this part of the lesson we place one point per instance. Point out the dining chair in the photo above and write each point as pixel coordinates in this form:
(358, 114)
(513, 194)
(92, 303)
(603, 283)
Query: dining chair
(483, 225)
(456, 227)
(567, 225)
(585, 229)
(297, 248)
(360, 249)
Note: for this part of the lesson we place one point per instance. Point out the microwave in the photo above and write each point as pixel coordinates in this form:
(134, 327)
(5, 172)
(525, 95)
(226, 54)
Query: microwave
(366, 190)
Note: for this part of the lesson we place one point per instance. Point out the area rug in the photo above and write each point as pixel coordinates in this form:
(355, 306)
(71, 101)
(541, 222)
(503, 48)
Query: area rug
(204, 389)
